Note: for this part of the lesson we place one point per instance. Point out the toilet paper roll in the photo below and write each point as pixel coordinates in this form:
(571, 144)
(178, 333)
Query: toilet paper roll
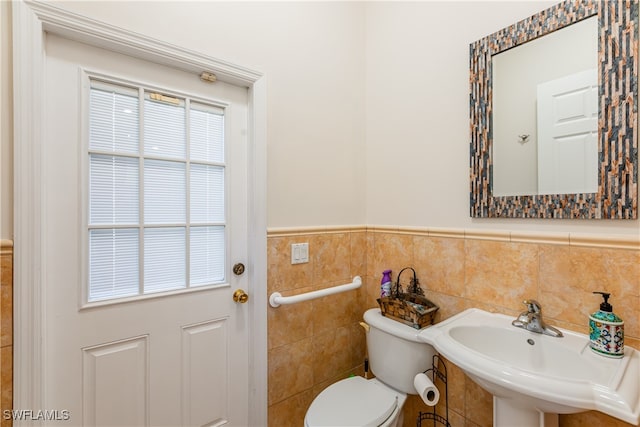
(426, 389)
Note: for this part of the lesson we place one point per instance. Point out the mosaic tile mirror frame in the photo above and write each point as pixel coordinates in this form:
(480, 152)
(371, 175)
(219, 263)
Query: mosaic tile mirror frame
(617, 195)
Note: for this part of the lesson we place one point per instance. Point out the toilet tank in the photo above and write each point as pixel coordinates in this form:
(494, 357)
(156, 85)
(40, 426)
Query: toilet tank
(395, 353)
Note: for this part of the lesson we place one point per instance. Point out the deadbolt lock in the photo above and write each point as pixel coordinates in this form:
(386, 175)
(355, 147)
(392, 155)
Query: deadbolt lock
(238, 269)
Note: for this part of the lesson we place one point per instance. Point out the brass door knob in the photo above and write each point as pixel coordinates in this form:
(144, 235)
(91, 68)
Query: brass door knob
(240, 296)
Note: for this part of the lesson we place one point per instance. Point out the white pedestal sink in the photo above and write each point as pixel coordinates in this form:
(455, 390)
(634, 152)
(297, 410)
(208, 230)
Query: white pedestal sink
(534, 377)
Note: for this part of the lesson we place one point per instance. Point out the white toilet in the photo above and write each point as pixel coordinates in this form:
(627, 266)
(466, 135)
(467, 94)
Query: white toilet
(395, 357)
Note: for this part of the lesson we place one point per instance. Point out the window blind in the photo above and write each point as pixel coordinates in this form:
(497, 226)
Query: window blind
(164, 259)
(156, 202)
(113, 270)
(164, 192)
(164, 129)
(114, 190)
(207, 255)
(113, 118)
(207, 133)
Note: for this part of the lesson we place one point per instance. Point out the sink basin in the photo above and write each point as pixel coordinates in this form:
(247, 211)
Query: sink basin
(533, 376)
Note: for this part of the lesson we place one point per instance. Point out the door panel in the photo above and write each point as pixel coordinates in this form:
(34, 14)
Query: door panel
(115, 376)
(204, 355)
(178, 358)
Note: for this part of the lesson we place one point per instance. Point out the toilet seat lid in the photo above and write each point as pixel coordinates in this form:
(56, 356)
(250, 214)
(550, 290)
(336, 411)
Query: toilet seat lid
(352, 402)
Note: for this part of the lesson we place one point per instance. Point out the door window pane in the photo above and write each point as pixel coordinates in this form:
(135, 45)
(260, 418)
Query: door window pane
(207, 134)
(207, 194)
(164, 129)
(113, 190)
(113, 120)
(164, 259)
(164, 192)
(207, 255)
(113, 263)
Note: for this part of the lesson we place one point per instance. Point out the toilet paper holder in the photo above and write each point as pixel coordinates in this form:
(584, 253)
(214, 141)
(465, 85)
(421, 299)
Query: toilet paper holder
(438, 374)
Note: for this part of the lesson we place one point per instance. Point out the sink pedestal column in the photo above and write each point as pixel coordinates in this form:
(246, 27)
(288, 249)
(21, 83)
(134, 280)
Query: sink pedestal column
(509, 412)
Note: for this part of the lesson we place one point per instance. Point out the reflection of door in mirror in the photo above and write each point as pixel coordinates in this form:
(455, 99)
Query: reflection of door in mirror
(568, 134)
(517, 73)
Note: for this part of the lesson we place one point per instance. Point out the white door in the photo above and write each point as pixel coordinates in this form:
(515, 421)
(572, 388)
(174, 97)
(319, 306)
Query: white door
(567, 134)
(168, 347)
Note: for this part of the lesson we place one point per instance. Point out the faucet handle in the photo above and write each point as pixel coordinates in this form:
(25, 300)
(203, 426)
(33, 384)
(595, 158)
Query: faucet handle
(533, 306)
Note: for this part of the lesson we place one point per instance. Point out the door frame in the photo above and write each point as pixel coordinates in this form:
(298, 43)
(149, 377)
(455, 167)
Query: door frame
(31, 20)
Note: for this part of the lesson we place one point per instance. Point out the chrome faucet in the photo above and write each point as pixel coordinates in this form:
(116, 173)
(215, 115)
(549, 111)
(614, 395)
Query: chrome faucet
(531, 320)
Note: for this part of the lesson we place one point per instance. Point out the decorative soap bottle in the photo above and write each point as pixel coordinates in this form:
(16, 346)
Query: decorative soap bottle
(606, 330)
(385, 284)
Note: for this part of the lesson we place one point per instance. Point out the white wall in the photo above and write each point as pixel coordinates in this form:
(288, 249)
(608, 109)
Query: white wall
(417, 122)
(6, 117)
(391, 75)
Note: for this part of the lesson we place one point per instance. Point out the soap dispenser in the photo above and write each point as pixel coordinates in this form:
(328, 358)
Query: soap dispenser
(606, 330)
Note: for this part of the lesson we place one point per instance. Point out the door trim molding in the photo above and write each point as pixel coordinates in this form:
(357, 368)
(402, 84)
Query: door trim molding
(31, 20)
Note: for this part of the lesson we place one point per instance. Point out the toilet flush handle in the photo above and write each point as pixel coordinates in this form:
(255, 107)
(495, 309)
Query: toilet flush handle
(365, 326)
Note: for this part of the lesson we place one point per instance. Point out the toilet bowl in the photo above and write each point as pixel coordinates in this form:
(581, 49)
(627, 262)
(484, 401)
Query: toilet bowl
(356, 401)
(395, 357)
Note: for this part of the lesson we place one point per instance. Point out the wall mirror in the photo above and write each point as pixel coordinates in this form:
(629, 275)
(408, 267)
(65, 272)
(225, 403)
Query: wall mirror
(553, 114)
